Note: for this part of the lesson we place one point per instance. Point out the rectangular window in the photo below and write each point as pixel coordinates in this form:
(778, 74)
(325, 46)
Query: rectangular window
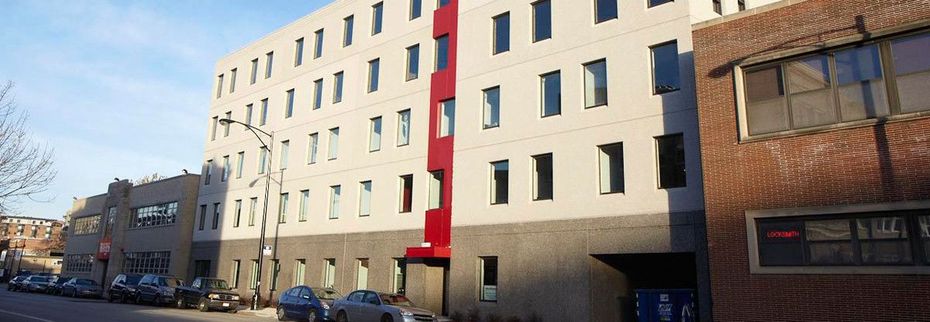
(348, 26)
(289, 108)
(298, 52)
(860, 83)
(203, 217)
(488, 277)
(653, 3)
(413, 62)
(718, 7)
(262, 160)
(226, 169)
(443, 3)
(253, 208)
(403, 127)
(492, 107)
(213, 125)
(500, 172)
(226, 125)
(317, 94)
(364, 199)
(282, 208)
(240, 163)
(269, 62)
(595, 83)
(605, 10)
(333, 150)
(334, 193)
(238, 214)
(542, 177)
(442, 53)
(501, 33)
(374, 134)
(232, 80)
(263, 113)
(219, 86)
(399, 285)
(254, 76)
(665, 68)
(542, 20)
(337, 87)
(313, 147)
(149, 262)
(285, 151)
(374, 72)
(361, 276)
(318, 44)
(216, 216)
(671, 151)
(329, 272)
(79, 263)
(551, 98)
(234, 274)
(377, 18)
(610, 166)
(447, 120)
(741, 4)
(248, 115)
(912, 72)
(300, 271)
(253, 278)
(416, 9)
(436, 190)
(275, 272)
(149, 216)
(406, 194)
(209, 172)
(304, 205)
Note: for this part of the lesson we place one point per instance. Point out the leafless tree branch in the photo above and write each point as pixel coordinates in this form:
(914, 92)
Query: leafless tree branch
(26, 167)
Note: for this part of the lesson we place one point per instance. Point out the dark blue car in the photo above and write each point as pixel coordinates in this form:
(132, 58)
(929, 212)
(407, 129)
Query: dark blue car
(306, 303)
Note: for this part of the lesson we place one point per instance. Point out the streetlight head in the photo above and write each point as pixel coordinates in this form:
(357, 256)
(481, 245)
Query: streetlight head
(225, 121)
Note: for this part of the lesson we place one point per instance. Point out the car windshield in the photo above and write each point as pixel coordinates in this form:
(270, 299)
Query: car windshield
(216, 284)
(133, 279)
(40, 279)
(396, 300)
(169, 282)
(326, 294)
(85, 282)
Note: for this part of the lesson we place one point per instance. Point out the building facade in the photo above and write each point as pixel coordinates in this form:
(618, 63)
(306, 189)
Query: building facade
(474, 155)
(30, 244)
(813, 121)
(143, 228)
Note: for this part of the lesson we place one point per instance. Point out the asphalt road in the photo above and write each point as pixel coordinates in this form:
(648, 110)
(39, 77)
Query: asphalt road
(26, 307)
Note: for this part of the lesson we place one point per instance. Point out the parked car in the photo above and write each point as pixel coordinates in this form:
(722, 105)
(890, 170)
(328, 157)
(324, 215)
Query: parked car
(207, 294)
(367, 305)
(55, 283)
(306, 303)
(157, 289)
(34, 283)
(124, 287)
(81, 287)
(13, 284)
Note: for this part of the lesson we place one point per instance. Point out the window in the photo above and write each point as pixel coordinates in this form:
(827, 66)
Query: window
(499, 182)
(300, 270)
(447, 120)
(219, 86)
(911, 72)
(282, 208)
(374, 67)
(254, 76)
(595, 83)
(248, 116)
(253, 278)
(542, 177)
(488, 277)
(492, 107)
(406, 193)
(253, 208)
(79, 263)
(361, 274)
(87, 225)
(216, 216)
(442, 53)
(501, 33)
(364, 199)
(741, 4)
(348, 26)
(399, 285)
(317, 94)
(413, 62)
(318, 44)
(154, 216)
(374, 134)
(201, 269)
(263, 116)
(334, 194)
(403, 127)
(304, 205)
(333, 150)
(653, 3)
(213, 126)
(377, 18)
(443, 3)
(232, 80)
(551, 85)
(226, 169)
(329, 272)
(240, 163)
(665, 68)
(718, 7)
(234, 274)
(436, 190)
(269, 62)
(209, 172)
(605, 10)
(542, 20)
(203, 217)
(238, 215)
(289, 108)
(337, 87)
(671, 151)
(416, 9)
(262, 160)
(610, 165)
(298, 52)
(275, 272)
(226, 125)
(285, 151)
(313, 147)
(147, 262)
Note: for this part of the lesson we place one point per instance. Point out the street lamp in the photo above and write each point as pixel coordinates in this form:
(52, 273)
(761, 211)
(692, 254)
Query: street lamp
(256, 297)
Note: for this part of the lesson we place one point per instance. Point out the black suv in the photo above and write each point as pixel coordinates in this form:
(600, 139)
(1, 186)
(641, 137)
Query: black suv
(157, 289)
(125, 287)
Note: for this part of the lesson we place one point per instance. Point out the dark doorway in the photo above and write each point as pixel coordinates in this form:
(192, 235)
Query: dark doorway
(201, 268)
(616, 277)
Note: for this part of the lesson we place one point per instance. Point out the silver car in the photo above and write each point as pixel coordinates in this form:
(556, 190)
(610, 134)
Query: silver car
(366, 305)
(81, 287)
(34, 283)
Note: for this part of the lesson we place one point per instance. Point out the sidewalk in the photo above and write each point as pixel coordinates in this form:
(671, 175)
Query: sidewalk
(268, 312)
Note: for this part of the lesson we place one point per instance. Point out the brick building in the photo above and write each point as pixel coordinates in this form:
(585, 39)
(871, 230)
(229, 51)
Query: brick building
(815, 141)
(39, 240)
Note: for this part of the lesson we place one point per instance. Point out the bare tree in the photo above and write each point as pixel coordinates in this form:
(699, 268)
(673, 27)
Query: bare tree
(26, 167)
(149, 178)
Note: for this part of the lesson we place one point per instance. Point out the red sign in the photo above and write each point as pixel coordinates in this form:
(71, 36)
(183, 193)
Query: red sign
(103, 253)
(783, 234)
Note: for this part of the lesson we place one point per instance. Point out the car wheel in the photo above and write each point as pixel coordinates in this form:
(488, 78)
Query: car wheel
(202, 306)
(387, 318)
(109, 297)
(281, 315)
(123, 298)
(74, 293)
(311, 317)
(341, 317)
(180, 303)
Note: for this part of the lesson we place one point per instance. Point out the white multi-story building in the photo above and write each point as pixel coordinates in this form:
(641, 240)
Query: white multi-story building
(515, 158)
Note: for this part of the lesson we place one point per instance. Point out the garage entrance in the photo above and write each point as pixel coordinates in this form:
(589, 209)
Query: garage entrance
(615, 278)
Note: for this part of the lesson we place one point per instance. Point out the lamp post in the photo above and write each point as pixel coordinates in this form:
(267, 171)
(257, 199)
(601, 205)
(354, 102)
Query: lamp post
(256, 297)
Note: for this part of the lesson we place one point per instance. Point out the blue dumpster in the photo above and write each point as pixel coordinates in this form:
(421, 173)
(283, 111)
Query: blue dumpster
(665, 305)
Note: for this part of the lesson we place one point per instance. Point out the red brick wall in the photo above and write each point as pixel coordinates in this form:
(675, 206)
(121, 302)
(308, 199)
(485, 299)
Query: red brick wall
(849, 166)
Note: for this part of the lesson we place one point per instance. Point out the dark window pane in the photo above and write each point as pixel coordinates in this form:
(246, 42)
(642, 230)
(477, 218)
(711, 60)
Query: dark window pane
(318, 48)
(831, 253)
(374, 71)
(442, 53)
(443, 3)
(610, 162)
(829, 242)
(653, 3)
(605, 10)
(811, 95)
(780, 244)
(502, 33)
(492, 107)
(551, 94)
(923, 225)
(765, 101)
(499, 182)
(884, 240)
(416, 8)
(595, 84)
(406, 193)
(671, 161)
(348, 27)
(860, 84)
(377, 12)
(912, 70)
(542, 20)
(665, 68)
(413, 62)
(543, 177)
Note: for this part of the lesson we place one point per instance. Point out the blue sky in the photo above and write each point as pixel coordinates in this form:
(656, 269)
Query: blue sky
(122, 88)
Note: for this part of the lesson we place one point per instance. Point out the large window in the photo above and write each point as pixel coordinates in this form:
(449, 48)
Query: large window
(238, 212)
(216, 215)
(153, 216)
(374, 71)
(610, 167)
(413, 62)
(374, 134)
(416, 9)
(347, 29)
(263, 113)
(840, 85)
(254, 75)
(317, 94)
(240, 163)
(500, 172)
(147, 262)
(253, 277)
(234, 274)
(406, 193)
(274, 273)
(442, 52)
(300, 271)
(671, 155)
(542, 20)
(298, 52)
(436, 190)
(289, 107)
(219, 86)
(605, 10)
(318, 44)
(377, 18)
(282, 208)
(333, 148)
(551, 98)
(595, 83)
(361, 274)
(364, 198)
(329, 272)
(542, 177)
(79, 263)
(304, 205)
(403, 127)
(313, 146)
(501, 33)
(232, 80)
(488, 277)
(284, 154)
(861, 239)
(335, 193)
(337, 87)
(87, 225)
(227, 168)
(492, 107)
(399, 284)
(253, 208)
(262, 160)
(665, 76)
(249, 108)
(203, 217)
(269, 62)
(447, 120)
